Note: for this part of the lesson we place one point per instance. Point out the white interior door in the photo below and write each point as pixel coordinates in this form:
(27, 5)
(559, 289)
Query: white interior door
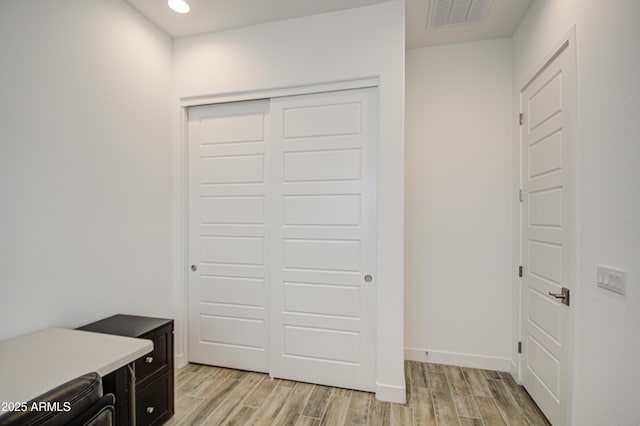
(228, 167)
(548, 221)
(323, 239)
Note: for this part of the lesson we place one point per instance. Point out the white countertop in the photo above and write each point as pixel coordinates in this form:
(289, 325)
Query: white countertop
(33, 364)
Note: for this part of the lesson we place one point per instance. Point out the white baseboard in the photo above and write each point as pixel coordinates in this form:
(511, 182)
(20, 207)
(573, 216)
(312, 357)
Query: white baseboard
(514, 372)
(391, 393)
(179, 361)
(462, 360)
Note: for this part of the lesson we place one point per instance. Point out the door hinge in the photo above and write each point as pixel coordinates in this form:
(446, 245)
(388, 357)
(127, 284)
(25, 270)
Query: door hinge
(521, 195)
(519, 347)
(520, 270)
(521, 119)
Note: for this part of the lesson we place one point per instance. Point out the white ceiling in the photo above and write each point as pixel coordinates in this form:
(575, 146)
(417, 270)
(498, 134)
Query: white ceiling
(216, 15)
(501, 20)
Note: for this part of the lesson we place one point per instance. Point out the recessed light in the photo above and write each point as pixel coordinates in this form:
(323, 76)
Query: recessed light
(179, 6)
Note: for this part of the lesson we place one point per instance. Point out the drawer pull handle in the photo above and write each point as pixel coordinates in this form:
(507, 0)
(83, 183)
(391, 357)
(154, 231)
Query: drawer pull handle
(150, 410)
(148, 359)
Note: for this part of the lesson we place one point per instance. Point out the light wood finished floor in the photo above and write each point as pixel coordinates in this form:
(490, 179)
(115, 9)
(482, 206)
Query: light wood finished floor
(436, 395)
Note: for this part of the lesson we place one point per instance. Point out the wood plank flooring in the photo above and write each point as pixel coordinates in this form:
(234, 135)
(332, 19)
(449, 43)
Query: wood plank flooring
(439, 395)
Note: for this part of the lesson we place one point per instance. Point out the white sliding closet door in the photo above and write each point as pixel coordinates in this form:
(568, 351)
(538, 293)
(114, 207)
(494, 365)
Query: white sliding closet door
(323, 159)
(282, 237)
(228, 291)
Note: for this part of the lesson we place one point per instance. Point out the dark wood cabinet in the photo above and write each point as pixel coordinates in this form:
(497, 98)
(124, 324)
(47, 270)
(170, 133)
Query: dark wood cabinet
(154, 371)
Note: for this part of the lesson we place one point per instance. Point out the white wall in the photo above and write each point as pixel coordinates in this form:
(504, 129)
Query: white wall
(458, 204)
(85, 170)
(606, 367)
(352, 44)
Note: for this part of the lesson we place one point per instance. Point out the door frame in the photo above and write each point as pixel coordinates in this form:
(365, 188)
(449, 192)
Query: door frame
(566, 44)
(181, 185)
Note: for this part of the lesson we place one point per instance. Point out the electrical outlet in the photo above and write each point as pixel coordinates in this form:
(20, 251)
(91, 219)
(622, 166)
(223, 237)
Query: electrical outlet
(612, 279)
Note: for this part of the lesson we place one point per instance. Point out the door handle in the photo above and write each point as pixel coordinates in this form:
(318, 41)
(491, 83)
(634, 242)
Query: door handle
(368, 278)
(563, 296)
(194, 268)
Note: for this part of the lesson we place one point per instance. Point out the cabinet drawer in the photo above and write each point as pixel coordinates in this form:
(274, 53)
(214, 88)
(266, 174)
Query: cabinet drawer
(153, 404)
(156, 360)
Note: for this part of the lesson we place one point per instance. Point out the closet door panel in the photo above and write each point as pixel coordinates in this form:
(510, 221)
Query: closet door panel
(322, 233)
(228, 247)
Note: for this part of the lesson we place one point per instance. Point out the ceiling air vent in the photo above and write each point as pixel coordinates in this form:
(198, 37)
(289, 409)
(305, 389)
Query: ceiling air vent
(450, 12)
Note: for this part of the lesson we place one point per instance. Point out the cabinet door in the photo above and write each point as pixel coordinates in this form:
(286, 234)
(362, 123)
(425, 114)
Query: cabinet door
(153, 402)
(158, 360)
